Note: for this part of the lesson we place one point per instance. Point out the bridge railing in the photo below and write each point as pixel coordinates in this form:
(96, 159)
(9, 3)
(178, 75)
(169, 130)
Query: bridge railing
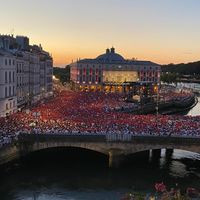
(111, 137)
(61, 137)
(119, 137)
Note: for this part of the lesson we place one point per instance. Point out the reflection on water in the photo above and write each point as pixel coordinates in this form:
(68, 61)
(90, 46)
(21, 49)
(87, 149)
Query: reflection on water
(196, 110)
(178, 169)
(192, 156)
(71, 174)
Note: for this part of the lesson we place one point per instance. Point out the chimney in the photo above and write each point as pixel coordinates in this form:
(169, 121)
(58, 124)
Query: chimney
(112, 50)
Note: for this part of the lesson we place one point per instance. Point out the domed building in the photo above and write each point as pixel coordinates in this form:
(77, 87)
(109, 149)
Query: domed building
(110, 57)
(111, 72)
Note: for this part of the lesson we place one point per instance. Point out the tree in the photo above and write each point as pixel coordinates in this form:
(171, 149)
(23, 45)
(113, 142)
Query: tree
(63, 74)
(183, 69)
(169, 77)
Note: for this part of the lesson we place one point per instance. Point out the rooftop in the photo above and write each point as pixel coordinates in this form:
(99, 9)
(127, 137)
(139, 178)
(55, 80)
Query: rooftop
(110, 57)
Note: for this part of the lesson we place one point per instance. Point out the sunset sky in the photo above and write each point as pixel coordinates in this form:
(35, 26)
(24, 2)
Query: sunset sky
(163, 31)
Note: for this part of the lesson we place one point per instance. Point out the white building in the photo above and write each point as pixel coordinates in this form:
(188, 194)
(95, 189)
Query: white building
(43, 72)
(8, 98)
(25, 74)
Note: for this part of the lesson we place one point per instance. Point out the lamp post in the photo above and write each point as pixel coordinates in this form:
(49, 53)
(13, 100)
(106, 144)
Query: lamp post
(157, 101)
(43, 91)
(28, 99)
(157, 105)
(141, 91)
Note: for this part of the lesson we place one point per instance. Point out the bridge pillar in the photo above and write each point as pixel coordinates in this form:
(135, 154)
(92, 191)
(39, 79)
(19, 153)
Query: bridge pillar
(169, 152)
(156, 153)
(114, 159)
(168, 157)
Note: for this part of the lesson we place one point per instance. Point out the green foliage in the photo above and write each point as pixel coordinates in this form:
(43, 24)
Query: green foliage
(184, 69)
(63, 74)
(169, 77)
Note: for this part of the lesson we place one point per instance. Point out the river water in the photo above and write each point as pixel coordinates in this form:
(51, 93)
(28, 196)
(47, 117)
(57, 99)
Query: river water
(75, 174)
(196, 110)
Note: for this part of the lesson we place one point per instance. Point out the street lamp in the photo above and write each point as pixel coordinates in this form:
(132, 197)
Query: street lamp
(157, 104)
(43, 92)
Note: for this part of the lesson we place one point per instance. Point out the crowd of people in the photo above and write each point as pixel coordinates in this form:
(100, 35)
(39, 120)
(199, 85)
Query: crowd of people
(173, 94)
(7, 138)
(71, 112)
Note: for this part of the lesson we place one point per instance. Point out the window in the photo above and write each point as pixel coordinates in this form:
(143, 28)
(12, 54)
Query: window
(6, 62)
(13, 90)
(9, 61)
(6, 77)
(13, 76)
(87, 72)
(9, 77)
(6, 106)
(93, 79)
(9, 90)
(6, 92)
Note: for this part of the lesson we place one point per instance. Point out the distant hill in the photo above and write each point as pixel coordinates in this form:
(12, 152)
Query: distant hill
(63, 74)
(186, 69)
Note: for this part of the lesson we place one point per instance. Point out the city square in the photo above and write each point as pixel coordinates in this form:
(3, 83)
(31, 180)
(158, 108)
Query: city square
(99, 100)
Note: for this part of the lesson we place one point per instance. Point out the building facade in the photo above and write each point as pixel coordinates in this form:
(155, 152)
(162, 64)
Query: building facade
(8, 98)
(31, 71)
(111, 72)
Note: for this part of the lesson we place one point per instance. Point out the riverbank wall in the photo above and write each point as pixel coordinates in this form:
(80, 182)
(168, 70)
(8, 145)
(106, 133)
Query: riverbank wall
(167, 107)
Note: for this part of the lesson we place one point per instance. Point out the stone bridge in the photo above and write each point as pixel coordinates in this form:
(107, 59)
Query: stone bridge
(116, 149)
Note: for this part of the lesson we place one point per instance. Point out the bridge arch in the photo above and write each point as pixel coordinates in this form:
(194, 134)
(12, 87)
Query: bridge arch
(69, 156)
(115, 150)
(47, 145)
